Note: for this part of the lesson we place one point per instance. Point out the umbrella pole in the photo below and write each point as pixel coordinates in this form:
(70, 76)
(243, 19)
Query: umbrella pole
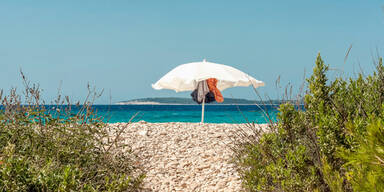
(202, 111)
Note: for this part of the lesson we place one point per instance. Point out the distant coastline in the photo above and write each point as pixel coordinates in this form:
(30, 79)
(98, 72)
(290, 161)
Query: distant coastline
(137, 103)
(189, 101)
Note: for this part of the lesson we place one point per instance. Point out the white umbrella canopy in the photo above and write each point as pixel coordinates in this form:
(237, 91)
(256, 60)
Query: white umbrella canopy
(185, 77)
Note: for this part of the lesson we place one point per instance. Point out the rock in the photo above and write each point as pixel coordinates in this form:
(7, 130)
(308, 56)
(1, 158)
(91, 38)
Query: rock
(221, 185)
(142, 122)
(184, 185)
(143, 132)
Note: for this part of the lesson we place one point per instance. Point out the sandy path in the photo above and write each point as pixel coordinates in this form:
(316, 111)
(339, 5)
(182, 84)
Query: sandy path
(185, 156)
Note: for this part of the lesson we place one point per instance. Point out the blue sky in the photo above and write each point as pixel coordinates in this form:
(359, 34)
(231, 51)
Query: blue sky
(124, 46)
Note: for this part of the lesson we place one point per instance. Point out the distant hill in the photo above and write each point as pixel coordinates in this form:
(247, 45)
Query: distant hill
(187, 101)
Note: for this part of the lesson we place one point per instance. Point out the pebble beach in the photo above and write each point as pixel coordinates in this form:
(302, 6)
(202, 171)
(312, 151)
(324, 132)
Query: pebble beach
(185, 156)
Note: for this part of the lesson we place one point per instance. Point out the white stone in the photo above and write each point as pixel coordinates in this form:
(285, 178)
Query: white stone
(143, 132)
(184, 156)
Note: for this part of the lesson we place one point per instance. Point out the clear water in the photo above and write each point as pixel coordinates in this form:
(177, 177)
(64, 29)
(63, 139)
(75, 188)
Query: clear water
(187, 113)
(178, 113)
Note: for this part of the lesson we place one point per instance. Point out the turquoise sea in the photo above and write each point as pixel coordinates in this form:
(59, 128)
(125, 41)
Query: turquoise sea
(186, 113)
(176, 113)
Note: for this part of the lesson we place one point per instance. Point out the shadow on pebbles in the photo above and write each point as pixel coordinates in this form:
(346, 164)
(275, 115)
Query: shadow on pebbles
(184, 156)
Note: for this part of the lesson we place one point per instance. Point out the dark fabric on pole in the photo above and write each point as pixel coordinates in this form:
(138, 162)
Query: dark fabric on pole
(209, 97)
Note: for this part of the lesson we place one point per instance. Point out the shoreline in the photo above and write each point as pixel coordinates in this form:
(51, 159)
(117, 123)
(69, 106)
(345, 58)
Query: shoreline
(189, 104)
(176, 122)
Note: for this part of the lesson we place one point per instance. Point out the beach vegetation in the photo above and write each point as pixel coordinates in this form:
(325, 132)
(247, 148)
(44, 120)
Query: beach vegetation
(51, 149)
(335, 144)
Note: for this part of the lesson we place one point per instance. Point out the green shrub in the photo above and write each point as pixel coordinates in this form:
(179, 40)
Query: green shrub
(335, 144)
(365, 165)
(45, 150)
(280, 159)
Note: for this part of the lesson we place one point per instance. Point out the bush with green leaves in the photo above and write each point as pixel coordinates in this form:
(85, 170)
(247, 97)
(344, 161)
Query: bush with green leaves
(366, 163)
(45, 150)
(335, 144)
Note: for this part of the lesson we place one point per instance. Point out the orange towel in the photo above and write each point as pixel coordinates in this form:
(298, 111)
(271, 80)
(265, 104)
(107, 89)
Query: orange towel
(212, 82)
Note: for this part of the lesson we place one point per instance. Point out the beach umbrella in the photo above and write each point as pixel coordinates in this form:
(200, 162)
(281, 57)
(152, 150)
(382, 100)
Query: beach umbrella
(185, 77)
